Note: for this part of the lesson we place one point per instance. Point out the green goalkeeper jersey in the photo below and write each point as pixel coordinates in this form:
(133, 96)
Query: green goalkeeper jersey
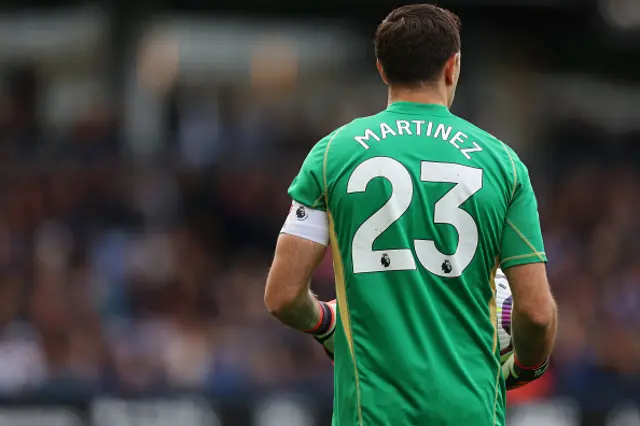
(423, 208)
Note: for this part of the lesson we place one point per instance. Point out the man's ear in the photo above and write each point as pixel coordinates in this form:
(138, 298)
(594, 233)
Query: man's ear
(451, 69)
(381, 71)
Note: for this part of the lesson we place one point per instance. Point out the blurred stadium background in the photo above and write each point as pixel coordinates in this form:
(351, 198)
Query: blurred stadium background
(145, 151)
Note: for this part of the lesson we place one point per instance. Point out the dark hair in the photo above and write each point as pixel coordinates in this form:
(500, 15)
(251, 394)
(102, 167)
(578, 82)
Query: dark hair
(414, 42)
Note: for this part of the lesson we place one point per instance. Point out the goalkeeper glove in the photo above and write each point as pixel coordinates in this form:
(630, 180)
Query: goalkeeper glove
(324, 331)
(515, 375)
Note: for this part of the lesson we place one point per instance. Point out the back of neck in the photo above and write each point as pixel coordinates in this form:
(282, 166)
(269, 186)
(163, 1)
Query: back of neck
(423, 95)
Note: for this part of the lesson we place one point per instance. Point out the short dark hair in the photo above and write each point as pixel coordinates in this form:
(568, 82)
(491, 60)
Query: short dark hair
(414, 42)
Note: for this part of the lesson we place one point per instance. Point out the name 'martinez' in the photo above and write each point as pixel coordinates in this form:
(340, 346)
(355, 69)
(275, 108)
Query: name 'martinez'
(421, 128)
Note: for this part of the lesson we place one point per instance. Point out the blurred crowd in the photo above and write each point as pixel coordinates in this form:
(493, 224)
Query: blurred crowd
(588, 190)
(146, 278)
(149, 278)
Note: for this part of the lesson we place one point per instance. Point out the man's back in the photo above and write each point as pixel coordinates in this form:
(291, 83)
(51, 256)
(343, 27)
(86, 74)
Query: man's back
(420, 207)
(421, 210)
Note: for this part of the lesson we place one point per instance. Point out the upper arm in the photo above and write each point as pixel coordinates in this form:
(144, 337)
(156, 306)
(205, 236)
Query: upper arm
(521, 235)
(522, 256)
(305, 234)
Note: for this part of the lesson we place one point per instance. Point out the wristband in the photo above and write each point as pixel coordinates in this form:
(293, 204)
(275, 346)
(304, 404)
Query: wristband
(326, 324)
(517, 375)
(533, 372)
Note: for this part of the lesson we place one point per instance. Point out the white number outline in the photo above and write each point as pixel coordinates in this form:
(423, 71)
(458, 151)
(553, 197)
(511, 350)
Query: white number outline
(468, 181)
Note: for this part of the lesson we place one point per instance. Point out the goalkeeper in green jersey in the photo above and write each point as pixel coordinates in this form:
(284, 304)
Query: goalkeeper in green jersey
(421, 208)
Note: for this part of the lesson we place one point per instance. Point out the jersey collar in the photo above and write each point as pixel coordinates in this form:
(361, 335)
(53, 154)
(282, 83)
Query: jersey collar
(418, 108)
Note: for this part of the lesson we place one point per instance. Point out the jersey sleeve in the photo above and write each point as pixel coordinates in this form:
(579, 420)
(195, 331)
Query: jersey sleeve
(521, 236)
(307, 187)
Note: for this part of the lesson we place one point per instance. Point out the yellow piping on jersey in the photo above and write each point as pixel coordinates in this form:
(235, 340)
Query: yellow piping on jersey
(338, 271)
(341, 295)
(494, 321)
(534, 252)
(493, 306)
(538, 254)
(315, 203)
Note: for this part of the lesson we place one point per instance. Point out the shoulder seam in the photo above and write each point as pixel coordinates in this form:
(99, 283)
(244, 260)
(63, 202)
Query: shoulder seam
(514, 169)
(506, 150)
(324, 167)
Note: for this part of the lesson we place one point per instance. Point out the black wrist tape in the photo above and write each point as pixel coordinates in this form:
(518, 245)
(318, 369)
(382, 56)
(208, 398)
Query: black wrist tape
(326, 322)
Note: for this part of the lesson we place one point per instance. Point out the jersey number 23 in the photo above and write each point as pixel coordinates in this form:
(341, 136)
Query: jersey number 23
(447, 210)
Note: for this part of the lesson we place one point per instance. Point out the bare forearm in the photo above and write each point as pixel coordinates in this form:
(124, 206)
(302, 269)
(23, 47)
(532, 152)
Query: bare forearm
(533, 340)
(301, 313)
(287, 294)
